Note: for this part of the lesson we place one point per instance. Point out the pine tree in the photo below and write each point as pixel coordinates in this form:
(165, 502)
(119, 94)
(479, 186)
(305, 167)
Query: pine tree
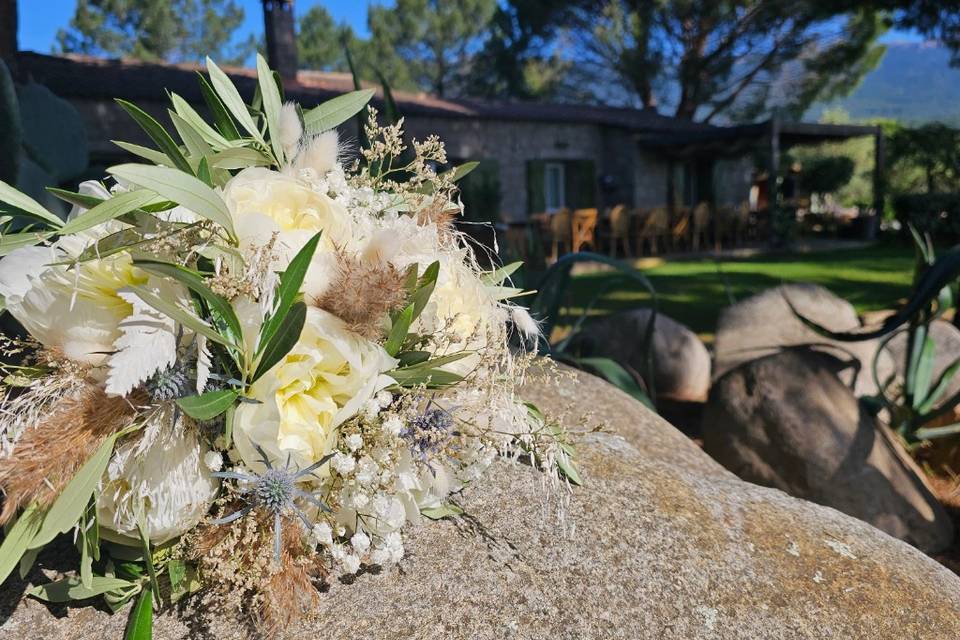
(169, 31)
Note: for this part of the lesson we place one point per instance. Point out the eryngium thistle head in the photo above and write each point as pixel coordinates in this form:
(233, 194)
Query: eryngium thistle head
(274, 490)
(170, 384)
(429, 431)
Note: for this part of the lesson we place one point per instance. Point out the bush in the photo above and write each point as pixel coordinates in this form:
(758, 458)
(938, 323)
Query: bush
(935, 213)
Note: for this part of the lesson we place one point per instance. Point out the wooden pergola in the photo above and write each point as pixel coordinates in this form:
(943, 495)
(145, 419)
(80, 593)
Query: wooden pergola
(771, 137)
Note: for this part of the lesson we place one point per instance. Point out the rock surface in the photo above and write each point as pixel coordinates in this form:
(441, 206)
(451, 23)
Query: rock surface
(681, 362)
(661, 542)
(764, 324)
(786, 421)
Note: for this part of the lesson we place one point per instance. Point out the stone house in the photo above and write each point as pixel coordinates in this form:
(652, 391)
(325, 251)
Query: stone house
(534, 157)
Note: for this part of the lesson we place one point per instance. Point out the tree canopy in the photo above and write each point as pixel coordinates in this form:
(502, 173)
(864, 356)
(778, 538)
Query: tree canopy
(170, 31)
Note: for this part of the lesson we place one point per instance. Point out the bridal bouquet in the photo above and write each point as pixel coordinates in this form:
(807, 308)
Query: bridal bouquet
(248, 364)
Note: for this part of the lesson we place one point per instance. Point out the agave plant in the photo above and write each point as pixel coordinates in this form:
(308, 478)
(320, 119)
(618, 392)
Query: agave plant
(918, 400)
(553, 293)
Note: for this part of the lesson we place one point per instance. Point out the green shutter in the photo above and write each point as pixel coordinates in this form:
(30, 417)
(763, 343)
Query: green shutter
(480, 192)
(536, 198)
(581, 184)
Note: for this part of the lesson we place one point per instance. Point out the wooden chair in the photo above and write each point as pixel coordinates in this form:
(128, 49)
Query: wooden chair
(584, 229)
(560, 232)
(701, 225)
(741, 223)
(653, 229)
(680, 228)
(619, 229)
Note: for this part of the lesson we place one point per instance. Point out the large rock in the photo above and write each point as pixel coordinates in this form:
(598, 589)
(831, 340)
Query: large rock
(661, 542)
(764, 324)
(787, 421)
(681, 362)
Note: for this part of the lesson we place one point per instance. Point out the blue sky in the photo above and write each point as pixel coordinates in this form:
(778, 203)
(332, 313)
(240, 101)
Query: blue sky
(40, 19)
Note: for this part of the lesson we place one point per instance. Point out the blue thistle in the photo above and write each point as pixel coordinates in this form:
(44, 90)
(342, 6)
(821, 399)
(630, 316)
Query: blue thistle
(275, 491)
(429, 431)
(171, 383)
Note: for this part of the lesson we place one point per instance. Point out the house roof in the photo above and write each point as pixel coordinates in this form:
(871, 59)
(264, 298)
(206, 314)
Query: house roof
(80, 76)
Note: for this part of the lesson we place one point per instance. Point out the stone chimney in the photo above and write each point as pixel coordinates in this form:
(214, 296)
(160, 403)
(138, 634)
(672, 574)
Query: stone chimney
(279, 27)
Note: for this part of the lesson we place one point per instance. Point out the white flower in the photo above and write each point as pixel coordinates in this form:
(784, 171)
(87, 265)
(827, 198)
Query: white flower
(384, 398)
(213, 461)
(342, 463)
(354, 441)
(380, 556)
(360, 542)
(167, 480)
(393, 424)
(366, 471)
(322, 534)
(371, 408)
(76, 310)
(324, 380)
(350, 563)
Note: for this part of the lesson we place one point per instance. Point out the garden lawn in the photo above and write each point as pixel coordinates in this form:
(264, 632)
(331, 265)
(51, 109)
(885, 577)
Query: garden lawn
(693, 291)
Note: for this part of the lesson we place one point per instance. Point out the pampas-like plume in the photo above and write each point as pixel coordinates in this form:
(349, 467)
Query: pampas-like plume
(51, 450)
(320, 153)
(363, 293)
(237, 558)
(290, 129)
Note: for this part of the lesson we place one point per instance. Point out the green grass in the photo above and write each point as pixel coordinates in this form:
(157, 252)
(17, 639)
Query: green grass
(694, 291)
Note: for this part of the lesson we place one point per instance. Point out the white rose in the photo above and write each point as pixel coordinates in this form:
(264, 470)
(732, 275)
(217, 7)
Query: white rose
(168, 479)
(324, 380)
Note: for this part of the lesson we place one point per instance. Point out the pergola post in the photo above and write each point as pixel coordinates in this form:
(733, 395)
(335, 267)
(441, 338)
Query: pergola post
(773, 177)
(879, 172)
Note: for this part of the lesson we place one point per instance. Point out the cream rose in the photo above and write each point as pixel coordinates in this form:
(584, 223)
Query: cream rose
(79, 310)
(324, 380)
(263, 202)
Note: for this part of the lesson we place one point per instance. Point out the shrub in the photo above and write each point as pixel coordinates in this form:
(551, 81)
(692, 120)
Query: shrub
(935, 213)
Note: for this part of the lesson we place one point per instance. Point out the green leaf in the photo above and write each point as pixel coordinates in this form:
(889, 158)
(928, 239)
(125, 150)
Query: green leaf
(425, 286)
(287, 291)
(208, 406)
(178, 314)
(73, 500)
(271, 105)
(410, 358)
(203, 172)
(239, 158)
(431, 378)
(497, 277)
(567, 468)
(10, 243)
(109, 209)
(336, 111)
(614, 373)
(445, 510)
(224, 316)
(933, 433)
(146, 153)
(140, 624)
(232, 101)
(211, 135)
(461, 171)
(196, 146)
(79, 199)
(71, 588)
(923, 371)
(221, 118)
(283, 339)
(18, 539)
(398, 332)
(186, 190)
(25, 205)
(158, 134)
(943, 383)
